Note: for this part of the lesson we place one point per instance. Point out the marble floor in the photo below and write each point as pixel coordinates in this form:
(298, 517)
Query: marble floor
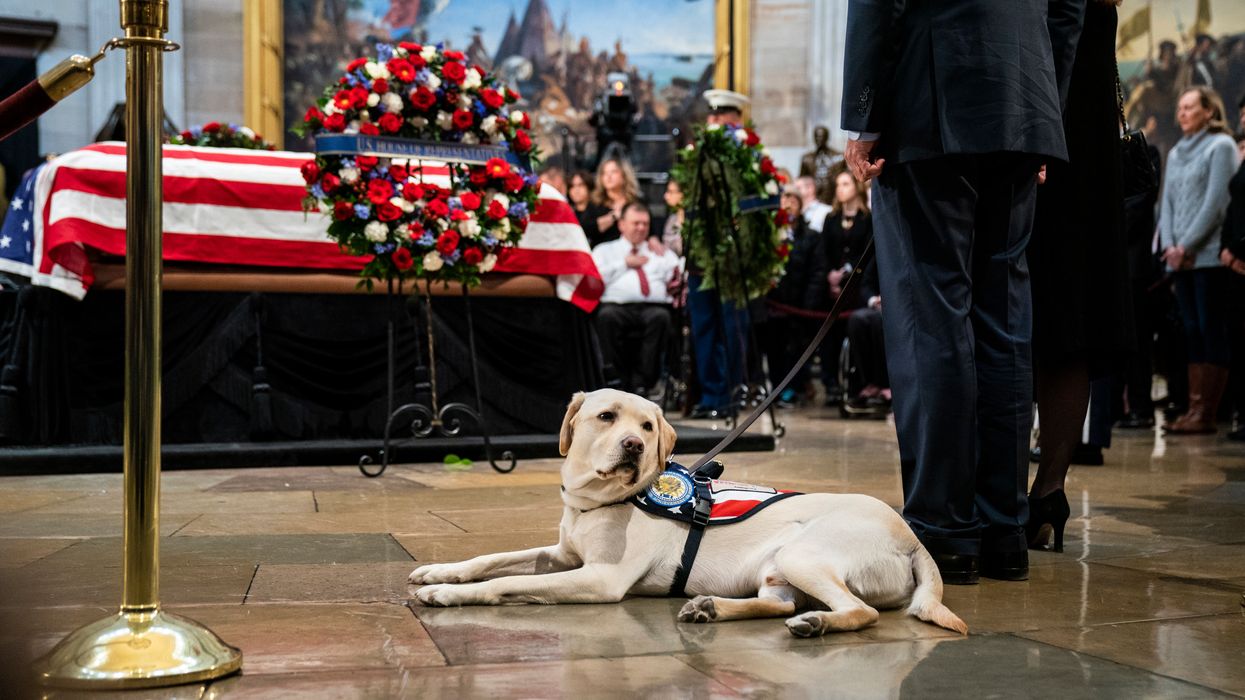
(305, 570)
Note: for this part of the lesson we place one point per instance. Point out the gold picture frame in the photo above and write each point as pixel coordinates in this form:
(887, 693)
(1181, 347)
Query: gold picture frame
(264, 46)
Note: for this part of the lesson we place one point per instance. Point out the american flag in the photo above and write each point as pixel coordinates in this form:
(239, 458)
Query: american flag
(17, 235)
(235, 207)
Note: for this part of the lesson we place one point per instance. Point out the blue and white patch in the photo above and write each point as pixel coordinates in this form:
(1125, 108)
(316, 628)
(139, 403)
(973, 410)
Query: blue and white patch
(671, 489)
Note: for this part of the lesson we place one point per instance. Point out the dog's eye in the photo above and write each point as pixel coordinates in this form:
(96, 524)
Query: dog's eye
(648, 425)
(606, 416)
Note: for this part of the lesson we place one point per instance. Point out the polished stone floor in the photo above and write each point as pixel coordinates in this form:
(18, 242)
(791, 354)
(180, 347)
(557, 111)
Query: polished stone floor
(305, 570)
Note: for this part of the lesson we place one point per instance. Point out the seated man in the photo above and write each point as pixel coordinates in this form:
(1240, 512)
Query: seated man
(864, 330)
(636, 301)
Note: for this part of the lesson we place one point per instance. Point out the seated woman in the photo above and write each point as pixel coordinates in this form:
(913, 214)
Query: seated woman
(864, 332)
(847, 229)
(803, 286)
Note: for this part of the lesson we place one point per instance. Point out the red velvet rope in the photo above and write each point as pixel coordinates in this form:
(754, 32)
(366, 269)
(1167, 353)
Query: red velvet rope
(22, 107)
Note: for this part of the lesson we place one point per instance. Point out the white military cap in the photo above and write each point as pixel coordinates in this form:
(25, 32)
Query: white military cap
(726, 99)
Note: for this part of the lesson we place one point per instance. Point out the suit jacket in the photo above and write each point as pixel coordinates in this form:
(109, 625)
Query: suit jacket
(941, 77)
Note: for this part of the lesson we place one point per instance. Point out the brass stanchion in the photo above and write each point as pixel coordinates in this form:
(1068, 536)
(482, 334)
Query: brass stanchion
(142, 645)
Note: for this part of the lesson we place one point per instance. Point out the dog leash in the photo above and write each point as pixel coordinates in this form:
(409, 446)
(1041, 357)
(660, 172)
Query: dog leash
(866, 257)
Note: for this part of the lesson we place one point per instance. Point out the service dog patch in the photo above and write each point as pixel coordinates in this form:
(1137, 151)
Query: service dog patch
(673, 495)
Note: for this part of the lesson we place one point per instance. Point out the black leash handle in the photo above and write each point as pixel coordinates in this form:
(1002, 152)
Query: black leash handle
(865, 257)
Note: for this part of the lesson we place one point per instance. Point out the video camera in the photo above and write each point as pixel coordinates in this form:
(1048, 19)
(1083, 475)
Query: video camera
(614, 115)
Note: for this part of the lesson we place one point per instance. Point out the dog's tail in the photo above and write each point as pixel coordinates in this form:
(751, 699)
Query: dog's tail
(927, 598)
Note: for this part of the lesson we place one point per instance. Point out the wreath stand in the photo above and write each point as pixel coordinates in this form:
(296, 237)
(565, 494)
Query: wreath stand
(747, 394)
(422, 420)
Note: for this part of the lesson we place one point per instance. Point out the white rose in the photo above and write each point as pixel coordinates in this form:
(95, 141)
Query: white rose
(505, 201)
(373, 99)
(470, 139)
(428, 53)
(418, 122)
(739, 136)
(402, 231)
(433, 81)
(469, 228)
(402, 204)
(488, 262)
(330, 108)
(464, 101)
(401, 52)
(352, 127)
(771, 187)
(376, 70)
(348, 175)
(502, 235)
(393, 102)
(376, 231)
(473, 79)
(713, 127)
(247, 132)
(489, 124)
(445, 121)
(516, 117)
(433, 261)
(504, 224)
(756, 167)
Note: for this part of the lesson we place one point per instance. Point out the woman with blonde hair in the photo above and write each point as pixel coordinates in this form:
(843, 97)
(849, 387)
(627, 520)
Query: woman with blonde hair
(1191, 215)
(616, 187)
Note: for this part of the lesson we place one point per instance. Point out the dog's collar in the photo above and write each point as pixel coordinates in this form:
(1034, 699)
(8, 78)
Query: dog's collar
(624, 499)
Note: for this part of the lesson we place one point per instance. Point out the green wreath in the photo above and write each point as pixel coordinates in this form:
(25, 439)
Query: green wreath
(741, 249)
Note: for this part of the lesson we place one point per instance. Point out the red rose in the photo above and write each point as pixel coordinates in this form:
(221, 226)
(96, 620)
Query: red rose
(469, 200)
(310, 171)
(447, 242)
(187, 136)
(463, 119)
(459, 215)
(335, 122)
(409, 46)
(438, 209)
(355, 64)
(511, 95)
(412, 192)
(767, 166)
(496, 210)
(401, 69)
(454, 55)
(472, 256)
(366, 162)
(369, 129)
(751, 137)
(782, 218)
(211, 127)
(402, 259)
(341, 80)
(330, 182)
(417, 230)
(492, 98)
(514, 182)
(341, 100)
(496, 167)
(399, 172)
(379, 190)
(526, 121)
(432, 192)
(388, 211)
(782, 179)
(417, 61)
(423, 98)
(380, 86)
(390, 122)
(313, 115)
(450, 98)
(358, 97)
(342, 211)
(783, 250)
(478, 176)
(522, 142)
(453, 71)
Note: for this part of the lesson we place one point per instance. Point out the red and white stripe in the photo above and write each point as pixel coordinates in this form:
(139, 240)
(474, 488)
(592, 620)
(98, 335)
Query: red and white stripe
(732, 499)
(241, 207)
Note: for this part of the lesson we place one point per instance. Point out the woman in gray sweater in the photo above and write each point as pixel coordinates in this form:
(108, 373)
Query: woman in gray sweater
(1195, 202)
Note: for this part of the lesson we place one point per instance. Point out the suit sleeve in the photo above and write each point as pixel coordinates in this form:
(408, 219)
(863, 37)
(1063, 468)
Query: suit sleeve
(869, 62)
(1064, 19)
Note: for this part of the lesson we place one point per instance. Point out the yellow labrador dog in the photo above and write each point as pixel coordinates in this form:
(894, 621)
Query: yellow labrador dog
(839, 557)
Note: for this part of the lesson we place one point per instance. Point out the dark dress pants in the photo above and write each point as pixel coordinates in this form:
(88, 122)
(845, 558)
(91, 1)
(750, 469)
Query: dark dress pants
(648, 322)
(950, 235)
(718, 330)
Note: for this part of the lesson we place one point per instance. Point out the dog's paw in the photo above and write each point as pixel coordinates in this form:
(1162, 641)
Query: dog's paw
(437, 573)
(807, 625)
(439, 595)
(698, 609)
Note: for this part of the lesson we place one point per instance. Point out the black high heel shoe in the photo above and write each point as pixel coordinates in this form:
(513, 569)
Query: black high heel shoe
(1047, 515)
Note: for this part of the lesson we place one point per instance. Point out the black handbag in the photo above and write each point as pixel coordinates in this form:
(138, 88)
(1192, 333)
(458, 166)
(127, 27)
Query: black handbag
(1139, 176)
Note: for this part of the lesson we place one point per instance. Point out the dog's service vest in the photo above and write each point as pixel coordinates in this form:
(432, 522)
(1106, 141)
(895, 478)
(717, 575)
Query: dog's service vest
(674, 495)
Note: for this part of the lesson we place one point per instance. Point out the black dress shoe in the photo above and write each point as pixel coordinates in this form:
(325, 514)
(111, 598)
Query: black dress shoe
(703, 412)
(957, 569)
(1006, 566)
(1136, 421)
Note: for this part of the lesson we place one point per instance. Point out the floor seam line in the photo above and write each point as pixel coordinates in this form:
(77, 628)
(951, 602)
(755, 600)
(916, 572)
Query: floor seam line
(188, 523)
(438, 517)
(247, 595)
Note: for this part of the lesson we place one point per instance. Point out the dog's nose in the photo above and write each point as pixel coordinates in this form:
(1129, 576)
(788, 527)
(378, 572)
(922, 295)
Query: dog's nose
(633, 445)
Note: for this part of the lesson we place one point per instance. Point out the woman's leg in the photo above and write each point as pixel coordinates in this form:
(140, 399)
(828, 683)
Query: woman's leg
(1063, 396)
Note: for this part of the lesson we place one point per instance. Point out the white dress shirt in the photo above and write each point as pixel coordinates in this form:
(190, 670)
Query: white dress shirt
(622, 284)
(815, 215)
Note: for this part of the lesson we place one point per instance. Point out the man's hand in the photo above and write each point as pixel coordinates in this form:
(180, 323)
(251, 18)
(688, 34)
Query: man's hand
(656, 246)
(1226, 257)
(1042, 174)
(859, 157)
(636, 261)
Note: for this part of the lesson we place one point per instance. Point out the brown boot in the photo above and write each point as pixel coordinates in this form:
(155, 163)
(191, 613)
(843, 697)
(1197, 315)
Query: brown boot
(1196, 370)
(1204, 408)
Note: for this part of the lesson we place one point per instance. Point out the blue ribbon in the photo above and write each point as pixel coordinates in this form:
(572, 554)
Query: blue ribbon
(392, 147)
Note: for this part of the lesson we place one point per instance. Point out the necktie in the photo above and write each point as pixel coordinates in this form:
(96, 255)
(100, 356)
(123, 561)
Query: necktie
(635, 250)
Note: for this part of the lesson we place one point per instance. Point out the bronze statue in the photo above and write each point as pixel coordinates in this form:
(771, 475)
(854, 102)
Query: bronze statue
(823, 164)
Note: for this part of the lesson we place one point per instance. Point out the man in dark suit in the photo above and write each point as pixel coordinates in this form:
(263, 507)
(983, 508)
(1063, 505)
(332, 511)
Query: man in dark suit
(953, 106)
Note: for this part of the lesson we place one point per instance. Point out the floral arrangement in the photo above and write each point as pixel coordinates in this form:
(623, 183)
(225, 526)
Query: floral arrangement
(742, 254)
(217, 135)
(447, 228)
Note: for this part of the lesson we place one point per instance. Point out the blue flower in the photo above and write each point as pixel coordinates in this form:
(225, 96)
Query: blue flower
(384, 52)
(531, 179)
(351, 80)
(362, 211)
(382, 248)
(489, 241)
(426, 240)
(317, 191)
(440, 46)
(422, 76)
(453, 257)
(455, 203)
(518, 210)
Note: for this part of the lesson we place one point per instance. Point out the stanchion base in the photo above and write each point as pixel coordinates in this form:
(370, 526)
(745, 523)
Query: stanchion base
(138, 650)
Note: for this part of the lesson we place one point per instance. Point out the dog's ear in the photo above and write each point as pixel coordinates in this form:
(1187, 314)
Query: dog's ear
(564, 438)
(666, 438)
